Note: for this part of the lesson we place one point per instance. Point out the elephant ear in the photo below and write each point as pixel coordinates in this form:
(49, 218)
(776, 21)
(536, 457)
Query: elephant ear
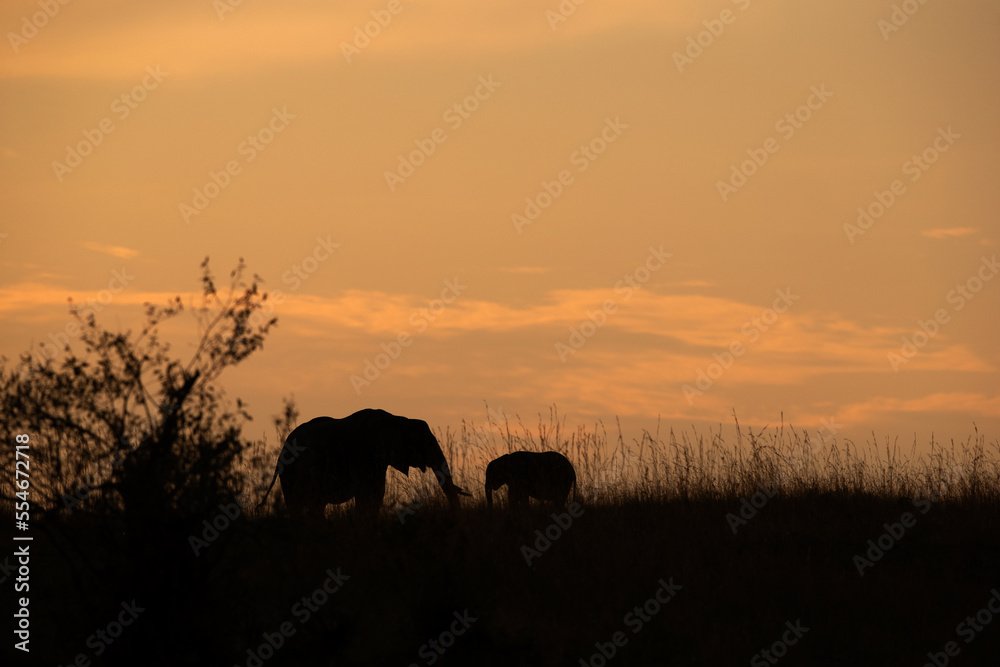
(427, 451)
(423, 451)
(409, 443)
(396, 445)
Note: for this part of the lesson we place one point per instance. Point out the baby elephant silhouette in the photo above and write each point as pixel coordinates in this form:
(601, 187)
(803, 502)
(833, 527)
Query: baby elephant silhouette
(542, 475)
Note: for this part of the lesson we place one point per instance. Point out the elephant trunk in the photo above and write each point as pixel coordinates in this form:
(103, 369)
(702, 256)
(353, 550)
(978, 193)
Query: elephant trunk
(451, 490)
(489, 497)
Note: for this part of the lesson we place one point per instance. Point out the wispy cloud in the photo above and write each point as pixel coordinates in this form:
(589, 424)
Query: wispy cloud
(634, 366)
(949, 232)
(941, 402)
(118, 251)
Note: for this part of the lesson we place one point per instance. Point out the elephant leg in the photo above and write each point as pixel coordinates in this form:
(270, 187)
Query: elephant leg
(560, 499)
(369, 502)
(298, 501)
(516, 497)
(309, 509)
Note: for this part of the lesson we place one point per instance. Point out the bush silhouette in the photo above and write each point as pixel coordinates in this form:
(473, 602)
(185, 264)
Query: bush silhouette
(133, 448)
(158, 427)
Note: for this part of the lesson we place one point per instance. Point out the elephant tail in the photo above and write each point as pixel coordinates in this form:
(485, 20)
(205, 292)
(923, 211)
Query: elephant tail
(268, 492)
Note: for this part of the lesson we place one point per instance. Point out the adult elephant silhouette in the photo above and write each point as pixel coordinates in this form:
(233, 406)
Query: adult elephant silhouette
(329, 460)
(542, 475)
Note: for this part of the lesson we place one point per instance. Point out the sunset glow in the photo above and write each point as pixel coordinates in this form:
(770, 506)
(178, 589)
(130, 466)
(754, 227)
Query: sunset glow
(658, 212)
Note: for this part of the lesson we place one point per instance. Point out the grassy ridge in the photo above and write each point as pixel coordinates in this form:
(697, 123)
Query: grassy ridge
(657, 509)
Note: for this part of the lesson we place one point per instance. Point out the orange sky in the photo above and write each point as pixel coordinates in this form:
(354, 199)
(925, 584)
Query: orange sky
(478, 180)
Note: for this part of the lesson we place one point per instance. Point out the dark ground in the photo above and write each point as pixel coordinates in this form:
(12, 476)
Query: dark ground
(732, 596)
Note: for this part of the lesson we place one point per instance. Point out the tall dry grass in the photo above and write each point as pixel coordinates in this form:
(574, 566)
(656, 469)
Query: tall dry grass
(701, 466)
(667, 465)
